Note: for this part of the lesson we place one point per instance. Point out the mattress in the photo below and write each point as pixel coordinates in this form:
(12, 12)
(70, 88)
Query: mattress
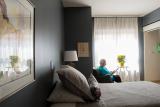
(126, 94)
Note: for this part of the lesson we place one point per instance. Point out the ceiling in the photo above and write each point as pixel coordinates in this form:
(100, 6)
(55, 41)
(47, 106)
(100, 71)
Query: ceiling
(111, 8)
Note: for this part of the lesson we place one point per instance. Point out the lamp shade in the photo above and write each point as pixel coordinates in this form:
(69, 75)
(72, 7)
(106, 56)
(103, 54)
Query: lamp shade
(70, 56)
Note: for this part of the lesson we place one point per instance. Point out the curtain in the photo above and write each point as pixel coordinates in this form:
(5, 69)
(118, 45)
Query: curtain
(15, 42)
(115, 36)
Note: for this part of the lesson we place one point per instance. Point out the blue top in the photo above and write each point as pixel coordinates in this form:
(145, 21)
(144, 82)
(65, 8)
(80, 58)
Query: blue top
(103, 71)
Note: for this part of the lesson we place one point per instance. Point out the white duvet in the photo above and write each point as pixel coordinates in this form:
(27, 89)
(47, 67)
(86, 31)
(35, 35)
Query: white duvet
(127, 94)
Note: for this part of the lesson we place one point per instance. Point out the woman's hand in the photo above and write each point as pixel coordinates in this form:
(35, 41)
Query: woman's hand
(115, 70)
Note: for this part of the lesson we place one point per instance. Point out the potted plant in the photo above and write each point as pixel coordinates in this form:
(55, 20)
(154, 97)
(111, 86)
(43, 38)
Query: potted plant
(121, 60)
(157, 48)
(14, 61)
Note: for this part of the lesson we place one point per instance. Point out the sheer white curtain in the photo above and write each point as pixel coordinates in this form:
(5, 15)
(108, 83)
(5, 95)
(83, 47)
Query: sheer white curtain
(114, 36)
(15, 40)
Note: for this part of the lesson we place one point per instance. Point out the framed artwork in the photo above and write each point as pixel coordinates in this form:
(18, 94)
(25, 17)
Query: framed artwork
(16, 46)
(83, 49)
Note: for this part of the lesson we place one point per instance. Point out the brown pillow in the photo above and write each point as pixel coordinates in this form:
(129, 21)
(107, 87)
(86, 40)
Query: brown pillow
(75, 82)
(61, 95)
(94, 87)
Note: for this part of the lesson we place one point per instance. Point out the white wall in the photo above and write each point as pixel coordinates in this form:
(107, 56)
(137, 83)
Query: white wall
(152, 59)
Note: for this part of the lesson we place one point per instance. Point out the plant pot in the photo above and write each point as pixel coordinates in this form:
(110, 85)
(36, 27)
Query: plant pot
(121, 65)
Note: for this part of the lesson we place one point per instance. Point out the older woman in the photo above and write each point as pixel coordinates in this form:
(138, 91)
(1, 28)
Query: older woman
(104, 71)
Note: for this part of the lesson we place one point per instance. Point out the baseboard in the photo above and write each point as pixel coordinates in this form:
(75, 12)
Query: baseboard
(156, 81)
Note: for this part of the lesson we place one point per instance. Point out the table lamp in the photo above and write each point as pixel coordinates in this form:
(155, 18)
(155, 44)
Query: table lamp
(70, 56)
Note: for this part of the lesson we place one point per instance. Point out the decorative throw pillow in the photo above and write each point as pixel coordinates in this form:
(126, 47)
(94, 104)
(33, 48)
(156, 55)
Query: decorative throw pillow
(61, 95)
(94, 87)
(75, 82)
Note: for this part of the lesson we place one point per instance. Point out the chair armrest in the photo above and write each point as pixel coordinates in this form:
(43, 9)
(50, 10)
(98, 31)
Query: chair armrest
(107, 75)
(100, 78)
(106, 79)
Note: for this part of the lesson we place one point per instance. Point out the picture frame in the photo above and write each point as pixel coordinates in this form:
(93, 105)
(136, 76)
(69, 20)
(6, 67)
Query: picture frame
(16, 46)
(83, 49)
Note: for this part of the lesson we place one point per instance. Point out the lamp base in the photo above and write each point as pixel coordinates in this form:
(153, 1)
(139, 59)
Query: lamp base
(71, 64)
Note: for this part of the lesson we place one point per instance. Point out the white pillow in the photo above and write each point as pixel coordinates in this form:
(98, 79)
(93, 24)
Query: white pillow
(61, 95)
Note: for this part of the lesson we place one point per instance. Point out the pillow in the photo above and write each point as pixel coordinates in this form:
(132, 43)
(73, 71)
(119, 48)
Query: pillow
(75, 82)
(94, 87)
(92, 81)
(61, 95)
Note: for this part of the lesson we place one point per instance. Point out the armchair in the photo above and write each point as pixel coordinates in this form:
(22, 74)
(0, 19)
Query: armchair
(100, 78)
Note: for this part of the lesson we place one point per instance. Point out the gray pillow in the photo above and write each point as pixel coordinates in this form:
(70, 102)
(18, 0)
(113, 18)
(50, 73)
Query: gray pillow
(92, 81)
(94, 87)
(75, 82)
(61, 95)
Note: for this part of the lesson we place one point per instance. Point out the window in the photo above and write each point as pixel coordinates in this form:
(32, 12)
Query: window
(114, 36)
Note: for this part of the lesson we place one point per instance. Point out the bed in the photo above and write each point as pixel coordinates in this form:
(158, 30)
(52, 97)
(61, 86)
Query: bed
(125, 94)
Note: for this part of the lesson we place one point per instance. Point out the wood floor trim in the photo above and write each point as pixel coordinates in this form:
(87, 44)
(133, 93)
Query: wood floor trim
(156, 81)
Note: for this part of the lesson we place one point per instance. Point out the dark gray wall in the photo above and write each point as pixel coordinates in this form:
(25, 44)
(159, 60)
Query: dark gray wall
(78, 28)
(151, 17)
(141, 47)
(48, 46)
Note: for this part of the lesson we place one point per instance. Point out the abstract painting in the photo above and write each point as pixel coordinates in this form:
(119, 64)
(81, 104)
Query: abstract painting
(16, 46)
(83, 49)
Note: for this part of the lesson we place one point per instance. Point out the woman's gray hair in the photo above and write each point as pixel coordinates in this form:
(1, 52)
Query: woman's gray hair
(102, 61)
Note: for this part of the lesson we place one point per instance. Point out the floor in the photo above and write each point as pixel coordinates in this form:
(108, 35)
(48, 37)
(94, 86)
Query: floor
(158, 82)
